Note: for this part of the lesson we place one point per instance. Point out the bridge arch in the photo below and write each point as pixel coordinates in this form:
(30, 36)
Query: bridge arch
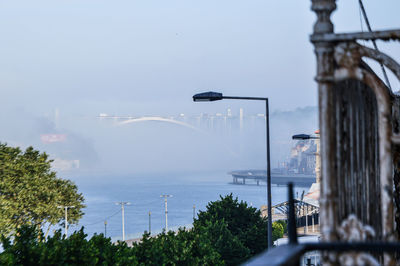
(158, 119)
(168, 120)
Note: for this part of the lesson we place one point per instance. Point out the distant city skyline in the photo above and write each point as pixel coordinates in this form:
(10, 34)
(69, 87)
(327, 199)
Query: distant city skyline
(65, 62)
(141, 56)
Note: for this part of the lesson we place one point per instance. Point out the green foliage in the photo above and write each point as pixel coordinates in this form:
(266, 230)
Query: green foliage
(26, 249)
(284, 225)
(230, 248)
(247, 229)
(229, 232)
(184, 248)
(277, 231)
(30, 192)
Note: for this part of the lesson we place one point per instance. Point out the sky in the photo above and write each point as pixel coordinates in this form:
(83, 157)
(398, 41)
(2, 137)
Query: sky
(86, 57)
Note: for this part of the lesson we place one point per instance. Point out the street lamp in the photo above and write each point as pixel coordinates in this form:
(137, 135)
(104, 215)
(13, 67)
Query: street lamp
(166, 196)
(123, 203)
(216, 96)
(317, 154)
(66, 217)
(304, 137)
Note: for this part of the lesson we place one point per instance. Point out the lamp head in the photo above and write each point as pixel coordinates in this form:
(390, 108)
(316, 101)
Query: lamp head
(301, 136)
(207, 96)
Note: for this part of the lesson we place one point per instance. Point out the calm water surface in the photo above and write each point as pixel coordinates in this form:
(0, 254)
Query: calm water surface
(143, 192)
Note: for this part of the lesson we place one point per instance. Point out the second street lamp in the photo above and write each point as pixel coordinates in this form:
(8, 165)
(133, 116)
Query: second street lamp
(304, 137)
(216, 96)
(66, 217)
(317, 153)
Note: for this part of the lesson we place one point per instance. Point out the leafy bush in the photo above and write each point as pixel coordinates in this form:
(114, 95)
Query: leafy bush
(27, 249)
(229, 232)
(284, 225)
(277, 231)
(241, 225)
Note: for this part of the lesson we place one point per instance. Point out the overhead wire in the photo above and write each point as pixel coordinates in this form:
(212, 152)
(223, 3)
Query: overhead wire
(112, 215)
(105, 219)
(373, 41)
(361, 22)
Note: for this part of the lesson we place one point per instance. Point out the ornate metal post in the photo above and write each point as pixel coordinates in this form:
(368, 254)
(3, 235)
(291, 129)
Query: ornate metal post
(325, 71)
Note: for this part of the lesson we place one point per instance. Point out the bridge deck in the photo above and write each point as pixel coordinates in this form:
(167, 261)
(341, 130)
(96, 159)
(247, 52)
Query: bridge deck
(257, 176)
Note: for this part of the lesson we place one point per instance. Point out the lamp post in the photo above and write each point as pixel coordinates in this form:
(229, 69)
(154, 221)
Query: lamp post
(304, 137)
(317, 154)
(166, 196)
(123, 203)
(216, 96)
(150, 222)
(66, 217)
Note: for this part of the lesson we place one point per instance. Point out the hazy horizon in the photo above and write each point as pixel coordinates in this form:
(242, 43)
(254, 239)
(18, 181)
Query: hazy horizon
(83, 58)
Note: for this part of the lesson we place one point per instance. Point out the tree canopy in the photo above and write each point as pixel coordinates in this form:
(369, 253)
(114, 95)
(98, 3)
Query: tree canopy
(228, 232)
(181, 248)
(237, 230)
(30, 191)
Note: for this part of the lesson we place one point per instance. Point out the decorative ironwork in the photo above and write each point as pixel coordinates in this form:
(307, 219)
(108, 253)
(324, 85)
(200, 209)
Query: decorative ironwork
(359, 120)
(290, 254)
(352, 230)
(356, 118)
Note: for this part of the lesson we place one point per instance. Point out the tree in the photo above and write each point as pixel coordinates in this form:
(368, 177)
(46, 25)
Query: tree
(228, 233)
(277, 230)
(30, 192)
(26, 249)
(284, 225)
(229, 246)
(184, 247)
(233, 224)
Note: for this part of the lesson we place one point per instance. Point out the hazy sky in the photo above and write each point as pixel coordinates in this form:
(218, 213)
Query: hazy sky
(85, 57)
(150, 57)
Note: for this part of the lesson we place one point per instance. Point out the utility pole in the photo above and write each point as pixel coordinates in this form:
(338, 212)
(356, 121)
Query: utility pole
(66, 217)
(194, 211)
(123, 203)
(150, 222)
(105, 228)
(165, 196)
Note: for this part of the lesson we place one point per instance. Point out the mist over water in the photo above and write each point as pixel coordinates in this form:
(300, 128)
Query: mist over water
(143, 192)
(140, 161)
(65, 63)
(156, 147)
(153, 146)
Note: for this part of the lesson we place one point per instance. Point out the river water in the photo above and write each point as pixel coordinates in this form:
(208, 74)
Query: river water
(101, 192)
